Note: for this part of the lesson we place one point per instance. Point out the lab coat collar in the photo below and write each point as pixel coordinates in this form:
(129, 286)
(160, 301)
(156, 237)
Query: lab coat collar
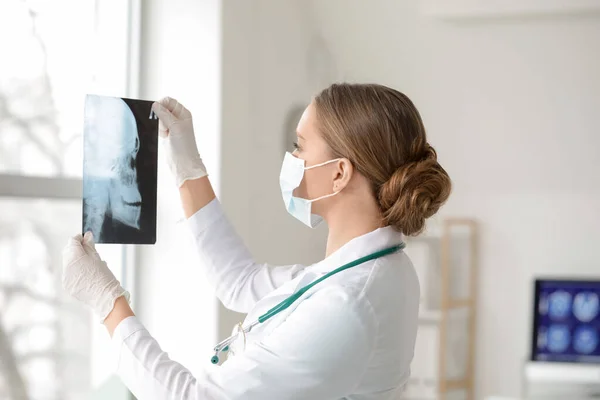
(358, 247)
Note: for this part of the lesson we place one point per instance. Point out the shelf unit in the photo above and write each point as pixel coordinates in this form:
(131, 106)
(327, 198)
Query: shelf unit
(445, 259)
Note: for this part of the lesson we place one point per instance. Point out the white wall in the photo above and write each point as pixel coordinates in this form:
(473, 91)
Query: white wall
(180, 58)
(264, 54)
(511, 105)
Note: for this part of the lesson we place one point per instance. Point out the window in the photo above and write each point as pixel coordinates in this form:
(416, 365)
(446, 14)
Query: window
(56, 52)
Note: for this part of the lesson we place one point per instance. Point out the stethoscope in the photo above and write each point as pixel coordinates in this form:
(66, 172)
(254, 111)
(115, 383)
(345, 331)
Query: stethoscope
(224, 345)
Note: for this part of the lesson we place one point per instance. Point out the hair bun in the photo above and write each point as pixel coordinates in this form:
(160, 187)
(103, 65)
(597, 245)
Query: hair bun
(413, 193)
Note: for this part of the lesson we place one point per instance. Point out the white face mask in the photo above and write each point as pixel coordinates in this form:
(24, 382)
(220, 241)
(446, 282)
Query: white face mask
(292, 172)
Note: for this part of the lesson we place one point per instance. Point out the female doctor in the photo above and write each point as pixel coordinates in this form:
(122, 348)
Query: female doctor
(344, 327)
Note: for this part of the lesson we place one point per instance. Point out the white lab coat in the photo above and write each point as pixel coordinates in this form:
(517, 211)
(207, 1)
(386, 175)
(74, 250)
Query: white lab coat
(350, 337)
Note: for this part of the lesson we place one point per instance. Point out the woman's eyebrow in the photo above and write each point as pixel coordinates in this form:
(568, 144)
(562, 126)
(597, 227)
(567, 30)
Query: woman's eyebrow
(299, 135)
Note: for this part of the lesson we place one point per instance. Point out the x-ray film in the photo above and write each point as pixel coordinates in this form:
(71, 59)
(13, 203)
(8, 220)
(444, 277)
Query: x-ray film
(120, 143)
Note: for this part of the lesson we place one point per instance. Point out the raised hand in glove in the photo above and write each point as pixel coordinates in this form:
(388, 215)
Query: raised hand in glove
(177, 134)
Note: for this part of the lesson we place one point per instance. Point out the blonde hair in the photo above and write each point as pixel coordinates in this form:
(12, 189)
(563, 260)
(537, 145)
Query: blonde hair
(381, 132)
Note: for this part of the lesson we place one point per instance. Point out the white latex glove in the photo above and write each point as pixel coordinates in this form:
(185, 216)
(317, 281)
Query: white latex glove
(87, 278)
(177, 133)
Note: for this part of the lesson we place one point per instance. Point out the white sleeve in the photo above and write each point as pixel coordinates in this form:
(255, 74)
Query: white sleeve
(321, 351)
(238, 280)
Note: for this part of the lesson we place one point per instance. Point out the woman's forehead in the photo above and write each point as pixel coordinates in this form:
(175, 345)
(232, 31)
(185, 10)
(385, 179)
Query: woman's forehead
(307, 126)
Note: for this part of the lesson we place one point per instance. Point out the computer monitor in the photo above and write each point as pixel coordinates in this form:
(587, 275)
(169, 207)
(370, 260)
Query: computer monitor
(566, 322)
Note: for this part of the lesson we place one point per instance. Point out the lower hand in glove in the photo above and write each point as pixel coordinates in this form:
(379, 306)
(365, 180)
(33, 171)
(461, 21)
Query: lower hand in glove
(87, 278)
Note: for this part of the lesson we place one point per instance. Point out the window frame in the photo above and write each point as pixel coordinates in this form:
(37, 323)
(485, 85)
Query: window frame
(16, 186)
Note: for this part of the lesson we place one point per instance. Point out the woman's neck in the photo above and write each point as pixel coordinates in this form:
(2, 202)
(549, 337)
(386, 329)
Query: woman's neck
(347, 223)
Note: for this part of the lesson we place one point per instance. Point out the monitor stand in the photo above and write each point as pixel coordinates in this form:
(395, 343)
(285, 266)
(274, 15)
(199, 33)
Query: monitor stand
(553, 380)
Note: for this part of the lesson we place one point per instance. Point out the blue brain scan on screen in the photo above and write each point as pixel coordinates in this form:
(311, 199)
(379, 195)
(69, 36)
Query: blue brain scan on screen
(585, 306)
(559, 304)
(585, 339)
(558, 338)
(566, 321)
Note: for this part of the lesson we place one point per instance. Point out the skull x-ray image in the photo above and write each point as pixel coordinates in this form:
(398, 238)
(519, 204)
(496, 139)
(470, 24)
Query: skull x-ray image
(120, 143)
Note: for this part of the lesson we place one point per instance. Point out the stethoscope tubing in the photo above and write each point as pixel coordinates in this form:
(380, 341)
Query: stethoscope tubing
(224, 344)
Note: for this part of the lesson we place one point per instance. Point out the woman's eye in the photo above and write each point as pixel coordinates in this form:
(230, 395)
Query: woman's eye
(296, 146)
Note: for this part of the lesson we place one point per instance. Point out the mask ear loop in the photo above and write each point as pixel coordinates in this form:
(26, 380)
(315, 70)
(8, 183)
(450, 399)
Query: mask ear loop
(320, 165)
(323, 163)
(323, 197)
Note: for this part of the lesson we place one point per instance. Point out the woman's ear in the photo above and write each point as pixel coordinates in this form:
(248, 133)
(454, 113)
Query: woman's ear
(343, 174)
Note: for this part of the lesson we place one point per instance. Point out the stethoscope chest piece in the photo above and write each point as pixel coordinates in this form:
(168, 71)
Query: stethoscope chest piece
(234, 344)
